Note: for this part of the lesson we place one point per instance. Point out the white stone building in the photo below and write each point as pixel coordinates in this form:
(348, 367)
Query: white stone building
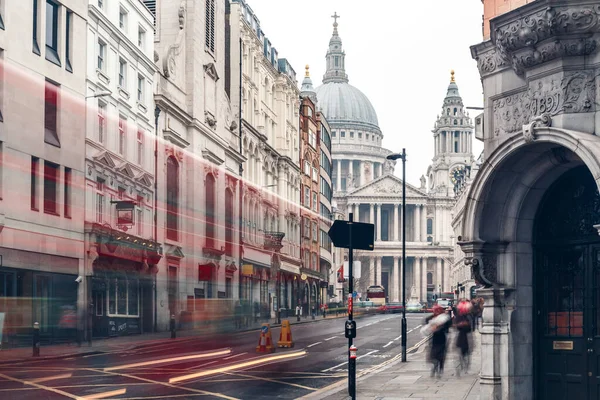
(121, 255)
(270, 144)
(42, 139)
(364, 184)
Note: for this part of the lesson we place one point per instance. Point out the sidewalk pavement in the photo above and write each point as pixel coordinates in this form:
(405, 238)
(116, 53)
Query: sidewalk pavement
(411, 380)
(122, 343)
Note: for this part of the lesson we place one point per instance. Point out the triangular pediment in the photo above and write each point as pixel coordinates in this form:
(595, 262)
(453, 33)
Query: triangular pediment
(126, 170)
(145, 179)
(387, 185)
(211, 70)
(105, 158)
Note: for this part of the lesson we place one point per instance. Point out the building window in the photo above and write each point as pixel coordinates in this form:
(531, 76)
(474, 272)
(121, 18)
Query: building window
(101, 4)
(139, 219)
(52, 32)
(122, 134)
(314, 232)
(123, 297)
(51, 114)
(229, 223)
(315, 203)
(360, 135)
(367, 137)
(36, 47)
(122, 74)
(1, 84)
(210, 25)
(101, 54)
(343, 134)
(351, 135)
(307, 196)
(68, 39)
(332, 133)
(141, 38)
(172, 198)
(312, 138)
(99, 200)
(123, 19)
(315, 174)
(140, 89)
(429, 226)
(67, 192)
(35, 165)
(211, 215)
(140, 147)
(306, 168)
(50, 186)
(101, 121)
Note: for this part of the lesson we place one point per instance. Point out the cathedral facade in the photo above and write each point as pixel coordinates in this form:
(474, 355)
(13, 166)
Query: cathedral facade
(364, 184)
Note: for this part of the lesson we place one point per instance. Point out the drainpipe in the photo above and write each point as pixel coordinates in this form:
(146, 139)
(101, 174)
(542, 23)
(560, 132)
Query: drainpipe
(156, 115)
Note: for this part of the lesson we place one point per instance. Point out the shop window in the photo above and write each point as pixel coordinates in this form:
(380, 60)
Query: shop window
(52, 32)
(67, 192)
(123, 297)
(210, 211)
(50, 186)
(172, 199)
(51, 114)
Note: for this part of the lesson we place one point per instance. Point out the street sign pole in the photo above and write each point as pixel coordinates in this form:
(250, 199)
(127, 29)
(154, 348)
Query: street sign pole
(351, 360)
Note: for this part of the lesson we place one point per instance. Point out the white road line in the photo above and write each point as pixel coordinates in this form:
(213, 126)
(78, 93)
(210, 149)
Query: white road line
(314, 344)
(237, 355)
(398, 338)
(333, 337)
(346, 362)
(388, 344)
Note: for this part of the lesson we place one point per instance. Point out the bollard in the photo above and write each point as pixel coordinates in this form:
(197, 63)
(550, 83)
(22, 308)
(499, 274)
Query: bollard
(173, 332)
(36, 339)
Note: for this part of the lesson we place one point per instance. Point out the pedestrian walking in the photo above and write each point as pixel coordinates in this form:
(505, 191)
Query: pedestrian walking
(438, 324)
(463, 324)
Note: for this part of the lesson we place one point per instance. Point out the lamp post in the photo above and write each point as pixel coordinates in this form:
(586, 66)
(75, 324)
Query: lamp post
(394, 157)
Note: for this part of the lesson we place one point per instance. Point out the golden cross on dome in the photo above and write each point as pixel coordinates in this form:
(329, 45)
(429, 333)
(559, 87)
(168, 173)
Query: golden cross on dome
(452, 76)
(335, 17)
(307, 73)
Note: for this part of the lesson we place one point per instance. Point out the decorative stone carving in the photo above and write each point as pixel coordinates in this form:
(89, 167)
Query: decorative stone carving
(173, 52)
(181, 14)
(351, 181)
(381, 187)
(575, 92)
(210, 119)
(543, 120)
(388, 167)
(423, 182)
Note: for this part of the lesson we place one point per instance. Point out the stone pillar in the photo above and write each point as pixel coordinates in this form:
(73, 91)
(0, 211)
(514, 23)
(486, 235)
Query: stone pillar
(371, 272)
(371, 214)
(350, 171)
(396, 285)
(356, 212)
(338, 182)
(396, 220)
(417, 276)
(362, 173)
(424, 278)
(439, 279)
(378, 222)
(417, 224)
(424, 223)
(378, 271)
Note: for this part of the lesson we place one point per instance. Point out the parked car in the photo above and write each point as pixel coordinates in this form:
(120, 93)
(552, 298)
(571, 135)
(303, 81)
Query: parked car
(414, 306)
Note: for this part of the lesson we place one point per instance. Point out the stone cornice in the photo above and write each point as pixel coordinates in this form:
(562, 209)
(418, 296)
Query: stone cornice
(538, 32)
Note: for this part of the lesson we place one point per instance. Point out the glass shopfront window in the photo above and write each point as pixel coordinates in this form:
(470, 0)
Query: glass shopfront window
(123, 297)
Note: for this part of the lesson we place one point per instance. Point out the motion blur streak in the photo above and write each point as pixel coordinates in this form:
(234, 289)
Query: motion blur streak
(106, 394)
(51, 378)
(236, 366)
(42, 387)
(167, 360)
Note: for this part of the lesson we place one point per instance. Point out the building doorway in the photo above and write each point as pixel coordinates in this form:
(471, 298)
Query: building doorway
(567, 289)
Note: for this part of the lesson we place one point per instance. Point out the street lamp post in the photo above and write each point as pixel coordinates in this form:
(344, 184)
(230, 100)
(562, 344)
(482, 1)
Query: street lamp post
(403, 158)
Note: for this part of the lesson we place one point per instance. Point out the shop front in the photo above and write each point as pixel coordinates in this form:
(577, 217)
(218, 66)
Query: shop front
(122, 287)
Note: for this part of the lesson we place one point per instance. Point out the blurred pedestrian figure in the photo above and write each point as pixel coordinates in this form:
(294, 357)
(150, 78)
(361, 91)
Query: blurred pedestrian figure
(438, 324)
(463, 324)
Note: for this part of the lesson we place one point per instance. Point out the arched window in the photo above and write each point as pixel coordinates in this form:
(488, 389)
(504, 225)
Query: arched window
(448, 111)
(210, 211)
(454, 110)
(172, 198)
(429, 278)
(229, 222)
(455, 122)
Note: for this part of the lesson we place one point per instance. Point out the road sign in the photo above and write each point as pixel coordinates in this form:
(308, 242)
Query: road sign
(363, 235)
(356, 269)
(264, 329)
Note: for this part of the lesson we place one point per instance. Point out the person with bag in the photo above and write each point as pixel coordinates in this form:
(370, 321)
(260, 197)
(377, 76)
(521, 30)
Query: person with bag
(438, 324)
(463, 324)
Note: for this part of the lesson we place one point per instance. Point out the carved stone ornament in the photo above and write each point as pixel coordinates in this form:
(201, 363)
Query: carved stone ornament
(181, 14)
(541, 33)
(170, 61)
(382, 187)
(482, 257)
(210, 119)
(540, 121)
(574, 92)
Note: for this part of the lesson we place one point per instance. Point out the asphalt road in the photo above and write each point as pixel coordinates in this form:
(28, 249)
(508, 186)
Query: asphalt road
(221, 367)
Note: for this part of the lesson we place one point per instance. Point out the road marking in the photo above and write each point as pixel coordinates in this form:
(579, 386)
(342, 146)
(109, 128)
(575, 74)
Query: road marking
(314, 344)
(346, 362)
(51, 378)
(388, 344)
(237, 355)
(271, 380)
(106, 394)
(333, 337)
(24, 382)
(197, 366)
(398, 338)
(236, 366)
(168, 360)
(204, 392)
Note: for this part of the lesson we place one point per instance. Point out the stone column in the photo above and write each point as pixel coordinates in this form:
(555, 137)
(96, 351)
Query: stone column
(371, 214)
(424, 224)
(396, 227)
(371, 272)
(338, 182)
(424, 278)
(416, 276)
(362, 173)
(439, 279)
(356, 212)
(396, 285)
(378, 271)
(378, 222)
(417, 224)
(350, 170)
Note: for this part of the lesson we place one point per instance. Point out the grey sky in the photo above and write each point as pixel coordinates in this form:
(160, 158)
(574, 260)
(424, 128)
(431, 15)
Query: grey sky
(398, 52)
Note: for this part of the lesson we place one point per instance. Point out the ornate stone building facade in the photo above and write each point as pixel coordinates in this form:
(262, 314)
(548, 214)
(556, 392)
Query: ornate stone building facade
(270, 105)
(364, 184)
(531, 218)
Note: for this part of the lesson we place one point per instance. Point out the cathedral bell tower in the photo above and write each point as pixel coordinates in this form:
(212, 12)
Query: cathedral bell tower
(453, 139)
(335, 57)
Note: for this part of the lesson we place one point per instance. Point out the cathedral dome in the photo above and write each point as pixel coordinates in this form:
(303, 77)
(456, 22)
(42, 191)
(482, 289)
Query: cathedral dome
(342, 102)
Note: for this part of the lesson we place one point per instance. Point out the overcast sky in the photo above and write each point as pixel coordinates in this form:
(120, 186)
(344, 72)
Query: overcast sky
(398, 52)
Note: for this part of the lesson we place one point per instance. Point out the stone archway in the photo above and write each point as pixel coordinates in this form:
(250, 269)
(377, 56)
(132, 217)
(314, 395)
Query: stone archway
(498, 226)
